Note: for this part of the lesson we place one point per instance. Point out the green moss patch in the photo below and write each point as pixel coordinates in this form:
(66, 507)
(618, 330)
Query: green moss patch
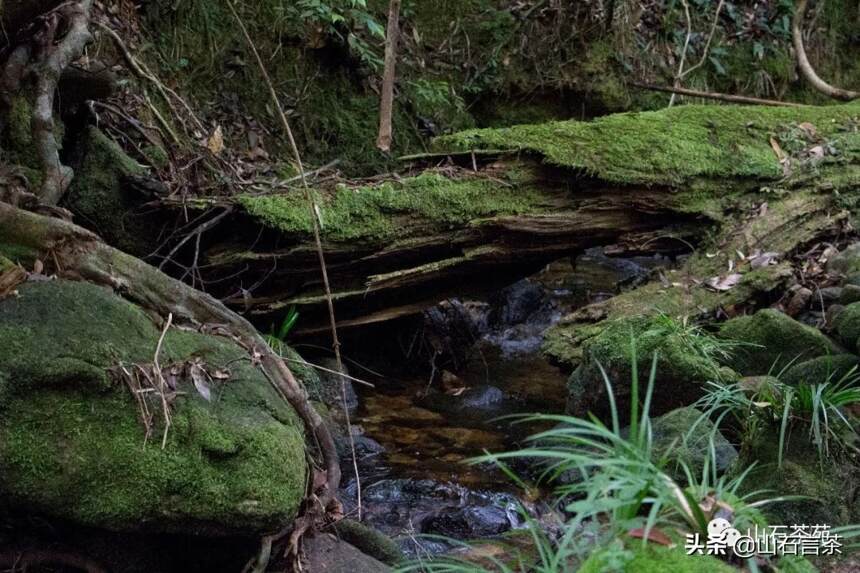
(72, 445)
(101, 199)
(682, 365)
(376, 213)
(671, 146)
(771, 341)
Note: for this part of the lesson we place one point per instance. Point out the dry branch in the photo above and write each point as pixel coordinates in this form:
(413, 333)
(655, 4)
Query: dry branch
(731, 98)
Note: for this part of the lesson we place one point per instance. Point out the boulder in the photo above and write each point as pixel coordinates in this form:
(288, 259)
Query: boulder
(846, 324)
(470, 522)
(769, 341)
(682, 367)
(670, 434)
(325, 552)
(850, 294)
(72, 443)
(820, 370)
(847, 262)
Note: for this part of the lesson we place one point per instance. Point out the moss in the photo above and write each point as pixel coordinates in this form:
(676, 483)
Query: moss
(682, 367)
(772, 340)
(374, 213)
(847, 325)
(103, 202)
(670, 430)
(72, 446)
(825, 491)
(671, 146)
(157, 156)
(821, 369)
(370, 541)
(652, 558)
(563, 342)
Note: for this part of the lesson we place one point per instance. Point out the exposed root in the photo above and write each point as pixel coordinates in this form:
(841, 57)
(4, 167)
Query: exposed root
(48, 57)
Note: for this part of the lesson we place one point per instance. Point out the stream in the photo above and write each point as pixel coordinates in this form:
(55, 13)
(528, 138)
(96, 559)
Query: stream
(415, 431)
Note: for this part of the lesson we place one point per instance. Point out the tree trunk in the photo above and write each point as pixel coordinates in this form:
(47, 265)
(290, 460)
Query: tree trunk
(386, 103)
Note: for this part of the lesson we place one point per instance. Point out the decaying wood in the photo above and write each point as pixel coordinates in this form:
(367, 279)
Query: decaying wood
(386, 100)
(80, 255)
(805, 66)
(381, 280)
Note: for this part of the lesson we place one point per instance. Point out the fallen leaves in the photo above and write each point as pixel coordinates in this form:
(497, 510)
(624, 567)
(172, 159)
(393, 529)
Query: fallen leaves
(142, 381)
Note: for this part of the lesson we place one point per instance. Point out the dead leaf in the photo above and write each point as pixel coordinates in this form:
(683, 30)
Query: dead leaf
(655, 535)
(198, 376)
(38, 267)
(764, 260)
(780, 154)
(220, 374)
(722, 284)
(215, 143)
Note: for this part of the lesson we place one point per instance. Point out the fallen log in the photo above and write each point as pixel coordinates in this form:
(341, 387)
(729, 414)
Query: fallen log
(639, 183)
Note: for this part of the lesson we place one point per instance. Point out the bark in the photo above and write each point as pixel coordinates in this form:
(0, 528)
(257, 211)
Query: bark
(386, 103)
(805, 66)
(80, 255)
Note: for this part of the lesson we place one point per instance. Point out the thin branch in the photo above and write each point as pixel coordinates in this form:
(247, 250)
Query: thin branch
(680, 73)
(197, 232)
(717, 96)
(162, 383)
(707, 48)
(806, 69)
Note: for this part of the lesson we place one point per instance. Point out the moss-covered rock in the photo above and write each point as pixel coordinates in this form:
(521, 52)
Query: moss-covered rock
(685, 435)
(72, 445)
(827, 488)
(683, 366)
(770, 341)
(102, 201)
(651, 558)
(847, 325)
(847, 262)
(820, 370)
(370, 541)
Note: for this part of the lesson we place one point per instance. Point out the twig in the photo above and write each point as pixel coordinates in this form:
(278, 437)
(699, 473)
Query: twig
(717, 96)
(333, 476)
(680, 73)
(195, 233)
(324, 369)
(162, 383)
(707, 48)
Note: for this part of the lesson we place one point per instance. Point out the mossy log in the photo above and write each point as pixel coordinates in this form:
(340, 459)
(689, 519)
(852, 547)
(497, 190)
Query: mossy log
(727, 179)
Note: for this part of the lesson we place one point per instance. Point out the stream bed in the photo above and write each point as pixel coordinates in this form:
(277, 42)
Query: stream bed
(414, 434)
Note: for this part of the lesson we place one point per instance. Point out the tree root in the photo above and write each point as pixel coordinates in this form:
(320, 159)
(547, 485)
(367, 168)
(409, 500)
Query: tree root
(80, 255)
